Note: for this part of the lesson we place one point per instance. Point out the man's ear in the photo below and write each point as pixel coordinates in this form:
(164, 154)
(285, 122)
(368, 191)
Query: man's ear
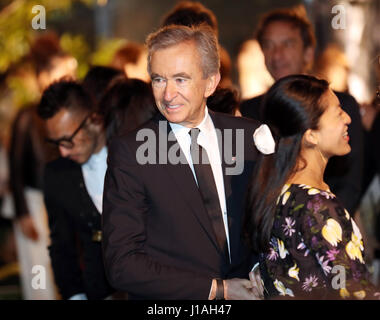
(310, 138)
(212, 83)
(96, 119)
(308, 57)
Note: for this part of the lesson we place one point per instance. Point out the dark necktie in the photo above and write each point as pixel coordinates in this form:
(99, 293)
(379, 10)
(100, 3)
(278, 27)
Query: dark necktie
(207, 189)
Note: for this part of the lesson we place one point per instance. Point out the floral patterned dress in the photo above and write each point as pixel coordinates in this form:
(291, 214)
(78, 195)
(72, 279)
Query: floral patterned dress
(316, 249)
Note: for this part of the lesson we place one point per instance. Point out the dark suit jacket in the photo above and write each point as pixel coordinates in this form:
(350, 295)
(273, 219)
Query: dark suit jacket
(158, 240)
(372, 167)
(371, 154)
(343, 174)
(76, 259)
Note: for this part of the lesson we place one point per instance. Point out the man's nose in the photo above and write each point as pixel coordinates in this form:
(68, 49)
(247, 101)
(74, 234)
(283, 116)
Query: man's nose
(170, 91)
(277, 52)
(64, 151)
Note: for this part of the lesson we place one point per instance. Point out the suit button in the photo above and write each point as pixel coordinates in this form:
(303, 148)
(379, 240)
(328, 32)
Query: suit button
(97, 236)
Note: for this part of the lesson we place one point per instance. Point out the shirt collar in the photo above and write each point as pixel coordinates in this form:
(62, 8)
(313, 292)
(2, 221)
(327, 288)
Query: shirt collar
(97, 158)
(203, 126)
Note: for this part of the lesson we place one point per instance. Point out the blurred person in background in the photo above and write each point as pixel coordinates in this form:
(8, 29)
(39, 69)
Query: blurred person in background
(254, 78)
(224, 100)
(27, 157)
(17, 87)
(73, 190)
(287, 39)
(375, 138)
(127, 104)
(191, 13)
(97, 81)
(8, 254)
(370, 206)
(370, 119)
(333, 66)
(225, 69)
(131, 59)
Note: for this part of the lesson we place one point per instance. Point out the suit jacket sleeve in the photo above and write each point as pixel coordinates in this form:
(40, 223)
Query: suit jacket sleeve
(126, 208)
(63, 247)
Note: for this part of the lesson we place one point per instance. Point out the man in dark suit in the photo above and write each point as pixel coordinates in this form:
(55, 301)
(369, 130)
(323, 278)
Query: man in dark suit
(288, 42)
(73, 190)
(171, 224)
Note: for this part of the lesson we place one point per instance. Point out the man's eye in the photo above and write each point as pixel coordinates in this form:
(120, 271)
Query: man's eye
(180, 80)
(158, 81)
(288, 43)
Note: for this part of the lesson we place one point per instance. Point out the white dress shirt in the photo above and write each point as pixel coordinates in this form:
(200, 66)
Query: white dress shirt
(208, 140)
(94, 171)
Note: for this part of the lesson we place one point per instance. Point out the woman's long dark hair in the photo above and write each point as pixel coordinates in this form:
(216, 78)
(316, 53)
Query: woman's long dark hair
(126, 105)
(290, 107)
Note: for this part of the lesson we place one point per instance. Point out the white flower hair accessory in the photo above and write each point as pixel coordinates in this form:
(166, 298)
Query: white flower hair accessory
(263, 139)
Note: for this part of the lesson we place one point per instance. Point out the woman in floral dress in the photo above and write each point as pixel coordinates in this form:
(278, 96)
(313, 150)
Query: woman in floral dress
(310, 247)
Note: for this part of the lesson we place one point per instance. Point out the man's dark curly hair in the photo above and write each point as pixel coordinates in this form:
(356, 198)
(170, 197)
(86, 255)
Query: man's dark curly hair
(64, 94)
(294, 18)
(189, 13)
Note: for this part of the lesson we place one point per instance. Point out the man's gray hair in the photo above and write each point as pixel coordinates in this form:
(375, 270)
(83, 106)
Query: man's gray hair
(202, 36)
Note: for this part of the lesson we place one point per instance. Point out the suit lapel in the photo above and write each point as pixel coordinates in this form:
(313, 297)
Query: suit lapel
(183, 177)
(227, 151)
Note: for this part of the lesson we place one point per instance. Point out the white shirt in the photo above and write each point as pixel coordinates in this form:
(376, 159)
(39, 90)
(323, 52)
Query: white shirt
(208, 140)
(94, 171)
